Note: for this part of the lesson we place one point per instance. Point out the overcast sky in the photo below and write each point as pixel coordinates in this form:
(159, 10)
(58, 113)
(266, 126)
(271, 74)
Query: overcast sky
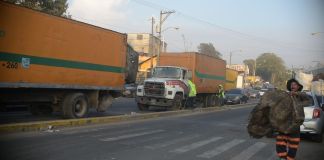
(283, 27)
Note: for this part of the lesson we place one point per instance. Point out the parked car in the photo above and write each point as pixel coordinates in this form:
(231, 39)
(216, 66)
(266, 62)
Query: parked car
(254, 94)
(262, 91)
(314, 119)
(236, 96)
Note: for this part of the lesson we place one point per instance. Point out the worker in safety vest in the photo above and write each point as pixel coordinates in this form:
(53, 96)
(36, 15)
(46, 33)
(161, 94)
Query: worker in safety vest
(192, 94)
(221, 95)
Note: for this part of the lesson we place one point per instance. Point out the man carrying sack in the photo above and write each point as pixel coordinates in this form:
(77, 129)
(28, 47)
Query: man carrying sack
(282, 112)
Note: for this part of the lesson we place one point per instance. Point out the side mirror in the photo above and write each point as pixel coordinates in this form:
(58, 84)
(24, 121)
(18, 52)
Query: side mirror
(189, 75)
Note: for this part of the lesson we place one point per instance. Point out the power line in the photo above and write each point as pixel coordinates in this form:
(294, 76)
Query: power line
(238, 34)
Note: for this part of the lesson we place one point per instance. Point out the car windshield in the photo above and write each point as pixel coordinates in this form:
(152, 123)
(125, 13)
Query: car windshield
(234, 91)
(167, 72)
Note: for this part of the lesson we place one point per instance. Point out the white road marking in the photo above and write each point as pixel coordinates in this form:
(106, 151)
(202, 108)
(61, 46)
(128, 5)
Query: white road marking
(196, 145)
(130, 136)
(171, 142)
(249, 152)
(118, 132)
(221, 149)
(142, 140)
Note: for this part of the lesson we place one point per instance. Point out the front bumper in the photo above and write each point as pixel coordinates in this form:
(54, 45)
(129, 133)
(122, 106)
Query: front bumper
(153, 101)
(231, 101)
(311, 127)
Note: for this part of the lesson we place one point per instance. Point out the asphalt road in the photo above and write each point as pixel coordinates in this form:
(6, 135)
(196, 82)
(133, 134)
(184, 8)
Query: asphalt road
(119, 107)
(215, 135)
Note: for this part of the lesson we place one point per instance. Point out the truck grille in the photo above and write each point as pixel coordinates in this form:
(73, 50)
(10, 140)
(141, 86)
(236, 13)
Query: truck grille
(154, 89)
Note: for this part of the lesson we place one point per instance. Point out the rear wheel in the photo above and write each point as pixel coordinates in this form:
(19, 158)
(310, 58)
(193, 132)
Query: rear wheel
(75, 105)
(142, 107)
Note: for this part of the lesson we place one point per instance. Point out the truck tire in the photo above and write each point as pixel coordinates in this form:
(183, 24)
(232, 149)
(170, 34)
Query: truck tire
(105, 101)
(142, 107)
(177, 102)
(75, 105)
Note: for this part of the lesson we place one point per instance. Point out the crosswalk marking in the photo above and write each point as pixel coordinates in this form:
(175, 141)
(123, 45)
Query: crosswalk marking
(130, 135)
(102, 134)
(196, 145)
(221, 149)
(134, 142)
(249, 152)
(171, 142)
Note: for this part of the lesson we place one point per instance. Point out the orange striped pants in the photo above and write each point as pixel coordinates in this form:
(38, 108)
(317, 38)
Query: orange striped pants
(287, 145)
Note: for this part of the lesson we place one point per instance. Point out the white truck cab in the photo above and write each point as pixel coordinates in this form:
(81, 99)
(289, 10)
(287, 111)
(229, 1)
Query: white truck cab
(168, 87)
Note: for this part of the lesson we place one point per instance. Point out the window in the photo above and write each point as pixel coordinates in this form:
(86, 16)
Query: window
(139, 37)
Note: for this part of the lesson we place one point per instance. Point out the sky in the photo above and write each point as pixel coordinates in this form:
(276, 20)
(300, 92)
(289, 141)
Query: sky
(247, 28)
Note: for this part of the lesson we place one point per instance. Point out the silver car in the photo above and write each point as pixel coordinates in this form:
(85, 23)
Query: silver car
(314, 119)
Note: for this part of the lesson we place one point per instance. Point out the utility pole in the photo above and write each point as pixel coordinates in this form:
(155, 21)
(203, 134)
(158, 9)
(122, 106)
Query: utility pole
(162, 19)
(254, 69)
(152, 42)
(230, 61)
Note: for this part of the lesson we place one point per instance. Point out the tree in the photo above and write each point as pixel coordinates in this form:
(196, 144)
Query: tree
(251, 64)
(54, 7)
(271, 68)
(208, 49)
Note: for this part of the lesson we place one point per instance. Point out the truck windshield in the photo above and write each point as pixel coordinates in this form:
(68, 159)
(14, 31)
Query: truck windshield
(167, 72)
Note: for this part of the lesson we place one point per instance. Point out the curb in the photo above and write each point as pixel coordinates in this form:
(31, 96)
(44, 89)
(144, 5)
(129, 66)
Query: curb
(44, 125)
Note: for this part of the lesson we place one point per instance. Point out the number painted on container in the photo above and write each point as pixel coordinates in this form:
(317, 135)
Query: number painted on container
(12, 65)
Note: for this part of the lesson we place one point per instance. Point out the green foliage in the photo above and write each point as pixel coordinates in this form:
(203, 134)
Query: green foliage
(54, 7)
(271, 68)
(251, 64)
(208, 49)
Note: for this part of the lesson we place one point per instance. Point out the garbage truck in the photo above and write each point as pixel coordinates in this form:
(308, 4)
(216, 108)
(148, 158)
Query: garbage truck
(56, 64)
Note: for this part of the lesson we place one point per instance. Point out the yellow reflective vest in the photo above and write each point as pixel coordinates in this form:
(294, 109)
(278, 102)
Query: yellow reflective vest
(192, 87)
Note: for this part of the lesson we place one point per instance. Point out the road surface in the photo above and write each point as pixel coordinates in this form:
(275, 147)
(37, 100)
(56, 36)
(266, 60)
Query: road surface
(215, 135)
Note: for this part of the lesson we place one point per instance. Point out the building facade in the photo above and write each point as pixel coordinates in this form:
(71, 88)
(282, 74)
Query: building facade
(145, 43)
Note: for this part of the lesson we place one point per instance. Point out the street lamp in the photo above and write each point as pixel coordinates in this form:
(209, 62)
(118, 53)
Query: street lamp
(162, 37)
(176, 28)
(316, 33)
(231, 52)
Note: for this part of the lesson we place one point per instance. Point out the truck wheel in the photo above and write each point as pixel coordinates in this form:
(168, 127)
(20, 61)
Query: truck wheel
(105, 101)
(177, 102)
(75, 105)
(142, 107)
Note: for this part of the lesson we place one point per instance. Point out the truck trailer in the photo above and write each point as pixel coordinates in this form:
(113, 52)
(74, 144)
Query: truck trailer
(169, 88)
(53, 63)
